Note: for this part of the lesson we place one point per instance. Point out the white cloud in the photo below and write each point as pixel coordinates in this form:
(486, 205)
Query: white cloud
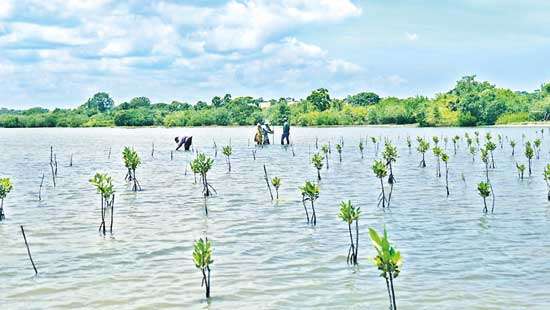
(411, 36)
(163, 44)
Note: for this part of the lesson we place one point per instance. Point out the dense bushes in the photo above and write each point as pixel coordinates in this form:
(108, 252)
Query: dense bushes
(469, 103)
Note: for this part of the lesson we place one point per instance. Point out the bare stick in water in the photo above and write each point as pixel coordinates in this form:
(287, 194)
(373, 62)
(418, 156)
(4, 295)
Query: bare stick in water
(28, 250)
(267, 182)
(40, 190)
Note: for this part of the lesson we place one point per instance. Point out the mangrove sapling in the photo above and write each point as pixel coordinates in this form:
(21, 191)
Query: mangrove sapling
(537, 144)
(361, 148)
(349, 214)
(409, 143)
(388, 260)
(473, 152)
(71, 160)
(53, 166)
(490, 146)
(339, 150)
(390, 156)
(469, 142)
(276, 182)
(380, 170)
(310, 191)
(521, 170)
(227, 151)
(105, 188)
(254, 154)
(202, 256)
(484, 154)
(201, 165)
(499, 138)
(445, 141)
(153, 150)
(292, 149)
(422, 148)
(325, 149)
(435, 139)
(445, 159)
(5, 187)
(513, 146)
(546, 175)
(437, 153)
(529, 153)
(456, 139)
(216, 148)
(484, 190)
(317, 161)
(131, 162)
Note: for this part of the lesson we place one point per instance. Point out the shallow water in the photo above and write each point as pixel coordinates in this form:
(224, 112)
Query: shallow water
(265, 254)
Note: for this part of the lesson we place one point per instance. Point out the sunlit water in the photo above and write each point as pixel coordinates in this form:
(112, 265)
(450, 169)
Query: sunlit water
(265, 254)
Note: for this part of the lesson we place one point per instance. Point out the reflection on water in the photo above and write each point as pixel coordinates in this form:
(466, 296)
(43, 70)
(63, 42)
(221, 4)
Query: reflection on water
(265, 254)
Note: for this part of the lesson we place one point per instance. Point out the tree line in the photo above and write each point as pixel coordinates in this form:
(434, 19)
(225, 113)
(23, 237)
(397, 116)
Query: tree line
(469, 103)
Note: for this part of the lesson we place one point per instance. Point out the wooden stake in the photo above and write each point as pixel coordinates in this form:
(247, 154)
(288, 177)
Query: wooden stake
(28, 250)
(267, 182)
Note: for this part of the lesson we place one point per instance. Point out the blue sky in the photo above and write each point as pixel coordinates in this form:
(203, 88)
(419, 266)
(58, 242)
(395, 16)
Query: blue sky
(58, 53)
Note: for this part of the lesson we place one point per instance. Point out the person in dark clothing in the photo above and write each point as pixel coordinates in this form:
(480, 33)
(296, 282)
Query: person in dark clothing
(184, 141)
(286, 133)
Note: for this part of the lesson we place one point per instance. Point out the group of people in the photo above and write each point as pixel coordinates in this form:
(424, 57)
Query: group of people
(261, 137)
(263, 131)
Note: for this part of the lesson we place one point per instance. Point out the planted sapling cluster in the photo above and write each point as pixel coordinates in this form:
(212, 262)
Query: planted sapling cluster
(227, 151)
(310, 192)
(349, 214)
(317, 161)
(388, 260)
(5, 187)
(202, 257)
(104, 186)
(131, 162)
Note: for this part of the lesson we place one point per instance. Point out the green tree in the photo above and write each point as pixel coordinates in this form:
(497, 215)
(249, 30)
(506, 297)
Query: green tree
(100, 102)
(364, 99)
(320, 98)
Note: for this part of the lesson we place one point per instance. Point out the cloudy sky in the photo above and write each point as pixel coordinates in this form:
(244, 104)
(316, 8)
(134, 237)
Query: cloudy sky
(57, 53)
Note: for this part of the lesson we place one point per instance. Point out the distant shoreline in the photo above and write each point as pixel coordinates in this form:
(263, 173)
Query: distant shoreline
(526, 124)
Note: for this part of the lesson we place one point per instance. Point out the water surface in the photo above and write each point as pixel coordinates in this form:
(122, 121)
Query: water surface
(265, 254)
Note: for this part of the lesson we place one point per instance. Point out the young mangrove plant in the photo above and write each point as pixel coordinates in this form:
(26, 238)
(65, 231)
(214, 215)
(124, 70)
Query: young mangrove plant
(317, 161)
(456, 139)
(5, 187)
(202, 164)
(521, 169)
(131, 161)
(473, 152)
(546, 175)
(409, 143)
(422, 148)
(339, 150)
(390, 156)
(513, 146)
(310, 191)
(227, 151)
(276, 182)
(380, 170)
(445, 159)
(202, 256)
(349, 214)
(325, 149)
(388, 260)
(484, 190)
(361, 148)
(537, 142)
(437, 153)
(435, 139)
(484, 154)
(375, 144)
(529, 153)
(104, 186)
(490, 146)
